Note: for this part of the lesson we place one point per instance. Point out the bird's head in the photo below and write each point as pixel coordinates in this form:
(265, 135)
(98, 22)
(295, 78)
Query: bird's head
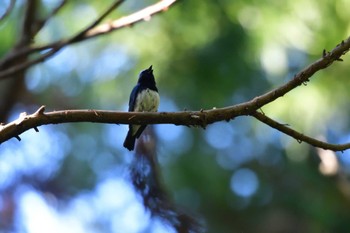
(146, 77)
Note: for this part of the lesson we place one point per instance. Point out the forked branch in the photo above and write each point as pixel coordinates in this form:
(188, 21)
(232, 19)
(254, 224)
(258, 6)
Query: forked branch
(188, 118)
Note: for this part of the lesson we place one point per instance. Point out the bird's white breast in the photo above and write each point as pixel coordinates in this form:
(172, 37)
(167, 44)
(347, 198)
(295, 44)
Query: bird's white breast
(147, 101)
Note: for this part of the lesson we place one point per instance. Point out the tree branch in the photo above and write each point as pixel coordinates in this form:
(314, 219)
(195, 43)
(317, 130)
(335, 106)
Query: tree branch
(299, 136)
(196, 118)
(190, 118)
(90, 32)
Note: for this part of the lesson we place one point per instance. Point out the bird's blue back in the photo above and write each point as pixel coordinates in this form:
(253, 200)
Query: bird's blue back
(135, 91)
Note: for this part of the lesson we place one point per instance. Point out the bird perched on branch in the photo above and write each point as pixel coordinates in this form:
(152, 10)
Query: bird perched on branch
(143, 98)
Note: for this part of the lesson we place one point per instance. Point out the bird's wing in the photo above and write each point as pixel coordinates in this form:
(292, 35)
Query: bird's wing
(133, 97)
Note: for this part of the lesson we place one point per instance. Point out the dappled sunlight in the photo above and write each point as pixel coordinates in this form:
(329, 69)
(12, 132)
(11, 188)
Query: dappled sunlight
(274, 60)
(114, 202)
(219, 136)
(38, 153)
(37, 79)
(329, 163)
(295, 151)
(244, 182)
(301, 109)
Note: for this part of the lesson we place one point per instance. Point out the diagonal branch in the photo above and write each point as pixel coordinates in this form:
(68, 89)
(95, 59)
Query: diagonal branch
(142, 15)
(17, 68)
(299, 136)
(90, 32)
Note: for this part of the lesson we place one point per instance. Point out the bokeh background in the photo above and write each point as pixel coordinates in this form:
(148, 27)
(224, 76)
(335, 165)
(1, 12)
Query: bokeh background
(237, 176)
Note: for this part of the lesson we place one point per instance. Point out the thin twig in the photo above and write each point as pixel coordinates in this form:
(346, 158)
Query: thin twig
(297, 135)
(95, 23)
(142, 15)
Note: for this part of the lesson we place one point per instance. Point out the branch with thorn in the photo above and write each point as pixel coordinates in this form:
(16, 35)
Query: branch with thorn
(200, 118)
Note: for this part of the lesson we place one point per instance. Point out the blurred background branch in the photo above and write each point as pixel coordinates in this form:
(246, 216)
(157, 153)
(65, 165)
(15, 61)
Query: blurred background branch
(89, 32)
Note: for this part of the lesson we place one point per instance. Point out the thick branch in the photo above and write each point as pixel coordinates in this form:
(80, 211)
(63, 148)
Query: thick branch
(90, 32)
(196, 118)
(200, 118)
(299, 136)
(193, 118)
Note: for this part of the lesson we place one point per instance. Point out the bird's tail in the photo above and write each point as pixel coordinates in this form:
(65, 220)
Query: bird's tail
(129, 142)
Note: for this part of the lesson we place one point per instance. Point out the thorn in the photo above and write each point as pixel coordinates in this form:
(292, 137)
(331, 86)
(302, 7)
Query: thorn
(324, 53)
(342, 42)
(201, 110)
(339, 59)
(261, 111)
(41, 110)
(36, 129)
(18, 138)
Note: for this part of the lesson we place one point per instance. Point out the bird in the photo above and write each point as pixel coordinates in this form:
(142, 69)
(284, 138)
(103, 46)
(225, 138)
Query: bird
(144, 97)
